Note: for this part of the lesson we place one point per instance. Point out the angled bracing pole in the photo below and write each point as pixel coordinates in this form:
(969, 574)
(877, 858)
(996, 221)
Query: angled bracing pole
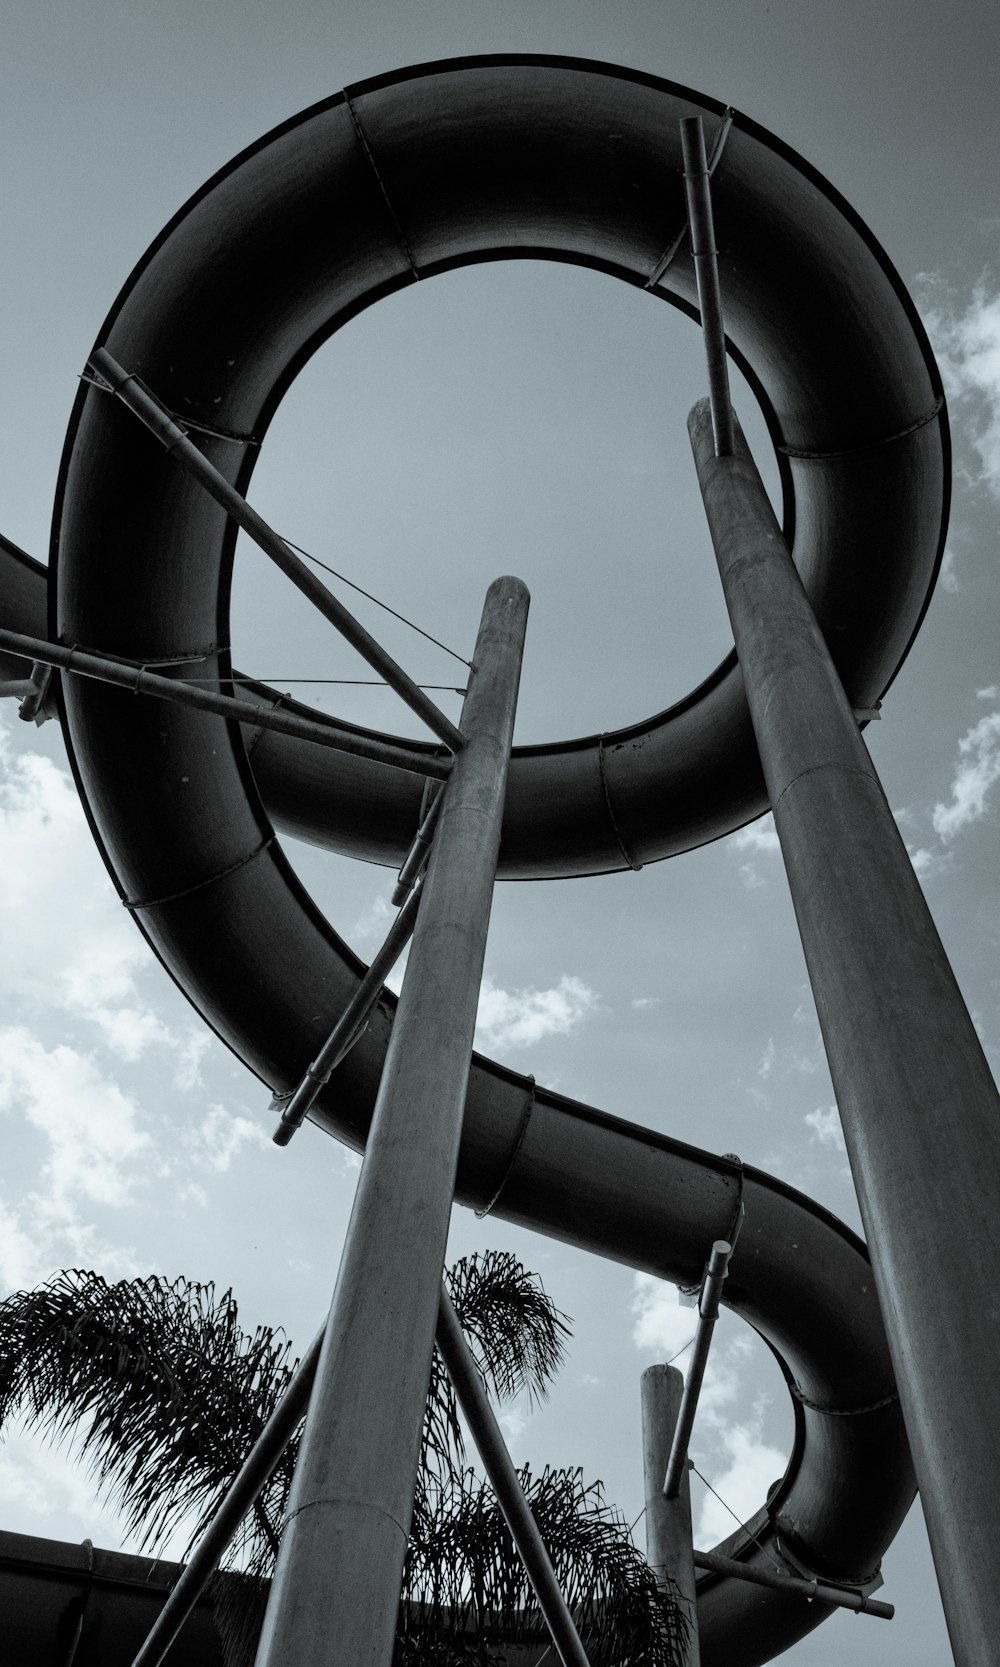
(336, 1587)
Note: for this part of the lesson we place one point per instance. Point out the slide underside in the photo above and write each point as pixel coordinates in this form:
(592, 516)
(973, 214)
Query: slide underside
(439, 166)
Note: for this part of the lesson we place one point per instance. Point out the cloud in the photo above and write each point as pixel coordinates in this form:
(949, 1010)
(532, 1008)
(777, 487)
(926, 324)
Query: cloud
(966, 340)
(761, 835)
(927, 862)
(77, 952)
(521, 1018)
(978, 769)
(90, 1125)
(47, 1484)
(753, 1466)
(641, 1003)
(766, 1065)
(760, 838)
(948, 577)
(825, 1125)
(188, 1073)
(221, 1135)
(664, 1326)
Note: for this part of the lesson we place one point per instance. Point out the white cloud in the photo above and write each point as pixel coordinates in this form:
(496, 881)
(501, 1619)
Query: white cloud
(661, 1325)
(641, 1003)
(825, 1125)
(753, 1466)
(761, 835)
(72, 948)
(664, 1326)
(992, 693)
(978, 769)
(221, 1135)
(188, 1073)
(948, 578)
(520, 1018)
(90, 1124)
(966, 339)
(766, 1065)
(760, 838)
(47, 1484)
(927, 862)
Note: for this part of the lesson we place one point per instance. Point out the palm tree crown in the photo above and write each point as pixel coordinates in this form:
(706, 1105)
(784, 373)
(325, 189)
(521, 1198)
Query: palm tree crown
(165, 1394)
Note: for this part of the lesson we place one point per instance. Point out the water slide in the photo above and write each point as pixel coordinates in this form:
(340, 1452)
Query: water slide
(387, 184)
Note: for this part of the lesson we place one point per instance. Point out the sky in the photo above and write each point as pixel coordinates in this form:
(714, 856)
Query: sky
(525, 418)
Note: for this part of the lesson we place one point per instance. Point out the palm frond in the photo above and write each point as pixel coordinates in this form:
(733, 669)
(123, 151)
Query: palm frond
(163, 1391)
(465, 1588)
(516, 1332)
(166, 1394)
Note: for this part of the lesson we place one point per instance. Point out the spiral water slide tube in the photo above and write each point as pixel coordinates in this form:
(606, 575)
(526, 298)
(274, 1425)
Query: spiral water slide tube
(383, 185)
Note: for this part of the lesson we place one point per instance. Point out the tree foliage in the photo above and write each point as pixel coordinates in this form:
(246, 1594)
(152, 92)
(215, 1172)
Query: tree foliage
(165, 1394)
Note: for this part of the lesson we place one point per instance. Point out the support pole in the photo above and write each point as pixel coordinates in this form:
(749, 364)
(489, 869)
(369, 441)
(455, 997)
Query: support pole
(698, 189)
(350, 1024)
(497, 1462)
(255, 1470)
(815, 1591)
(174, 439)
(336, 1587)
(668, 1521)
(416, 857)
(708, 1313)
(919, 1108)
(83, 662)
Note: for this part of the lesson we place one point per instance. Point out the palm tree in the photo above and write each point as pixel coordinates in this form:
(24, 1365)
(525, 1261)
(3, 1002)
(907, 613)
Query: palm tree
(165, 1394)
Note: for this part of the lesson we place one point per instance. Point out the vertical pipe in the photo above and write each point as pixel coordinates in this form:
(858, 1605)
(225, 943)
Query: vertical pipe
(919, 1108)
(668, 1521)
(499, 1467)
(336, 1585)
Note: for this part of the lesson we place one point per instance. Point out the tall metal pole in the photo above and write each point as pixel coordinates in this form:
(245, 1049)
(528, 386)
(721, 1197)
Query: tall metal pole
(336, 1587)
(920, 1110)
(668, 1521)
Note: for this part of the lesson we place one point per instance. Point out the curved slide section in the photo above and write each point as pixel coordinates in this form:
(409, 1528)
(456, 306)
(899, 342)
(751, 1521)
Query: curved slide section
(441, 165)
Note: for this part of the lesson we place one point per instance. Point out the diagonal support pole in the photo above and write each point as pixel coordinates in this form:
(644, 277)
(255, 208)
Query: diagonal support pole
(336, 1587)
(506, 1484)
(348, 1027)
(83, 662)
(708, 1313)
(174, 439)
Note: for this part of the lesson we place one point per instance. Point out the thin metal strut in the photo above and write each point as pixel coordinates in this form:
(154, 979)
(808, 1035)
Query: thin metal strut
(698, 187)
(84, 662)
(350, 1025)
(174, 439)
(708, 1313)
